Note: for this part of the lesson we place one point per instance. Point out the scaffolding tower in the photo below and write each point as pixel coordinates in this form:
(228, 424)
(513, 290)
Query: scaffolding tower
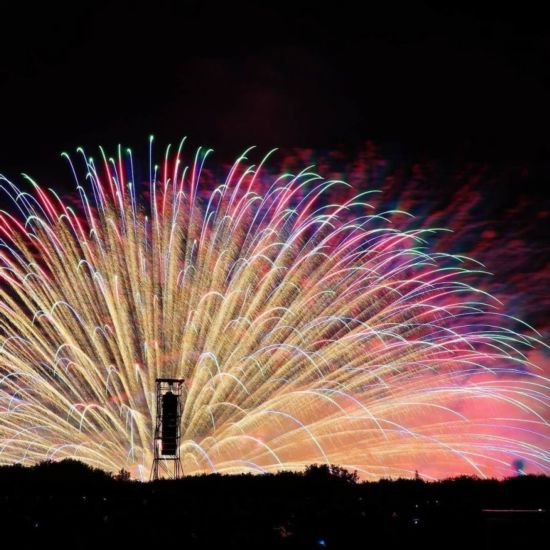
(166, 442)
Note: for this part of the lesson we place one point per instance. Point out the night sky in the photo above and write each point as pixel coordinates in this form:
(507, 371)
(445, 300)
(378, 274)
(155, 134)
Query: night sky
(458, 94)
(431, 78)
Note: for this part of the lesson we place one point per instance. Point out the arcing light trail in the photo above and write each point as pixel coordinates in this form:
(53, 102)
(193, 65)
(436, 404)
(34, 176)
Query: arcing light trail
(308, 330)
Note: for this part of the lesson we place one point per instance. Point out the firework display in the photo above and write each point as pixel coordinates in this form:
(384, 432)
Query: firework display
(308, 328)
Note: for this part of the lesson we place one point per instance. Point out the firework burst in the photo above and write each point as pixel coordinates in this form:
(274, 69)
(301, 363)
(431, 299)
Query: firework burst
(307, 327)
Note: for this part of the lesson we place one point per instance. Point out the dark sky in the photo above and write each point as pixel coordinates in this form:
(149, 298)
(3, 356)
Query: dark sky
(428, 77)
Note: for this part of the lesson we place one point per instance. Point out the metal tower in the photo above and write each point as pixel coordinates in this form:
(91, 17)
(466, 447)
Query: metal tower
(166, 443)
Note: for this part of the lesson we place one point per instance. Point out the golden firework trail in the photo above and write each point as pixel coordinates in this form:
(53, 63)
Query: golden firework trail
(307, 329)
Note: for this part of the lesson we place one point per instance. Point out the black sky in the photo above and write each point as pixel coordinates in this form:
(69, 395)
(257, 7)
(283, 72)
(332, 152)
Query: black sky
(429, 77)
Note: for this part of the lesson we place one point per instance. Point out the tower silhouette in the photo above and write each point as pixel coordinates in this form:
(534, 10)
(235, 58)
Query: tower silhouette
(166, 441)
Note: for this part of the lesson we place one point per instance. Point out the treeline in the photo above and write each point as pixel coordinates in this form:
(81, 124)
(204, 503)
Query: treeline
(71, 476)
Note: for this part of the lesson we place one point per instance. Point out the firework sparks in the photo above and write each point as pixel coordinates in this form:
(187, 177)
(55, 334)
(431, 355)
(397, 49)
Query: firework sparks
(307, 329)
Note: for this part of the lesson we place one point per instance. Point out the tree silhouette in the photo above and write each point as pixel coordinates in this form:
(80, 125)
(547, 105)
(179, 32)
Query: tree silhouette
(122, 475)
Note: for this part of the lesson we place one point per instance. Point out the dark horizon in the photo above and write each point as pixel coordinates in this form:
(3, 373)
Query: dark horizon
(320, 508)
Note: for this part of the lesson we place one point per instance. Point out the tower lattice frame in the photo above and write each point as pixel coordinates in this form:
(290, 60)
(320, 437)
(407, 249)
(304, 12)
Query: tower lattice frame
(167, 464)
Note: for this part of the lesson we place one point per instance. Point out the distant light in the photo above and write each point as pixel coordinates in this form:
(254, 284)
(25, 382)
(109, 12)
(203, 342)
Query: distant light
(322, 542)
